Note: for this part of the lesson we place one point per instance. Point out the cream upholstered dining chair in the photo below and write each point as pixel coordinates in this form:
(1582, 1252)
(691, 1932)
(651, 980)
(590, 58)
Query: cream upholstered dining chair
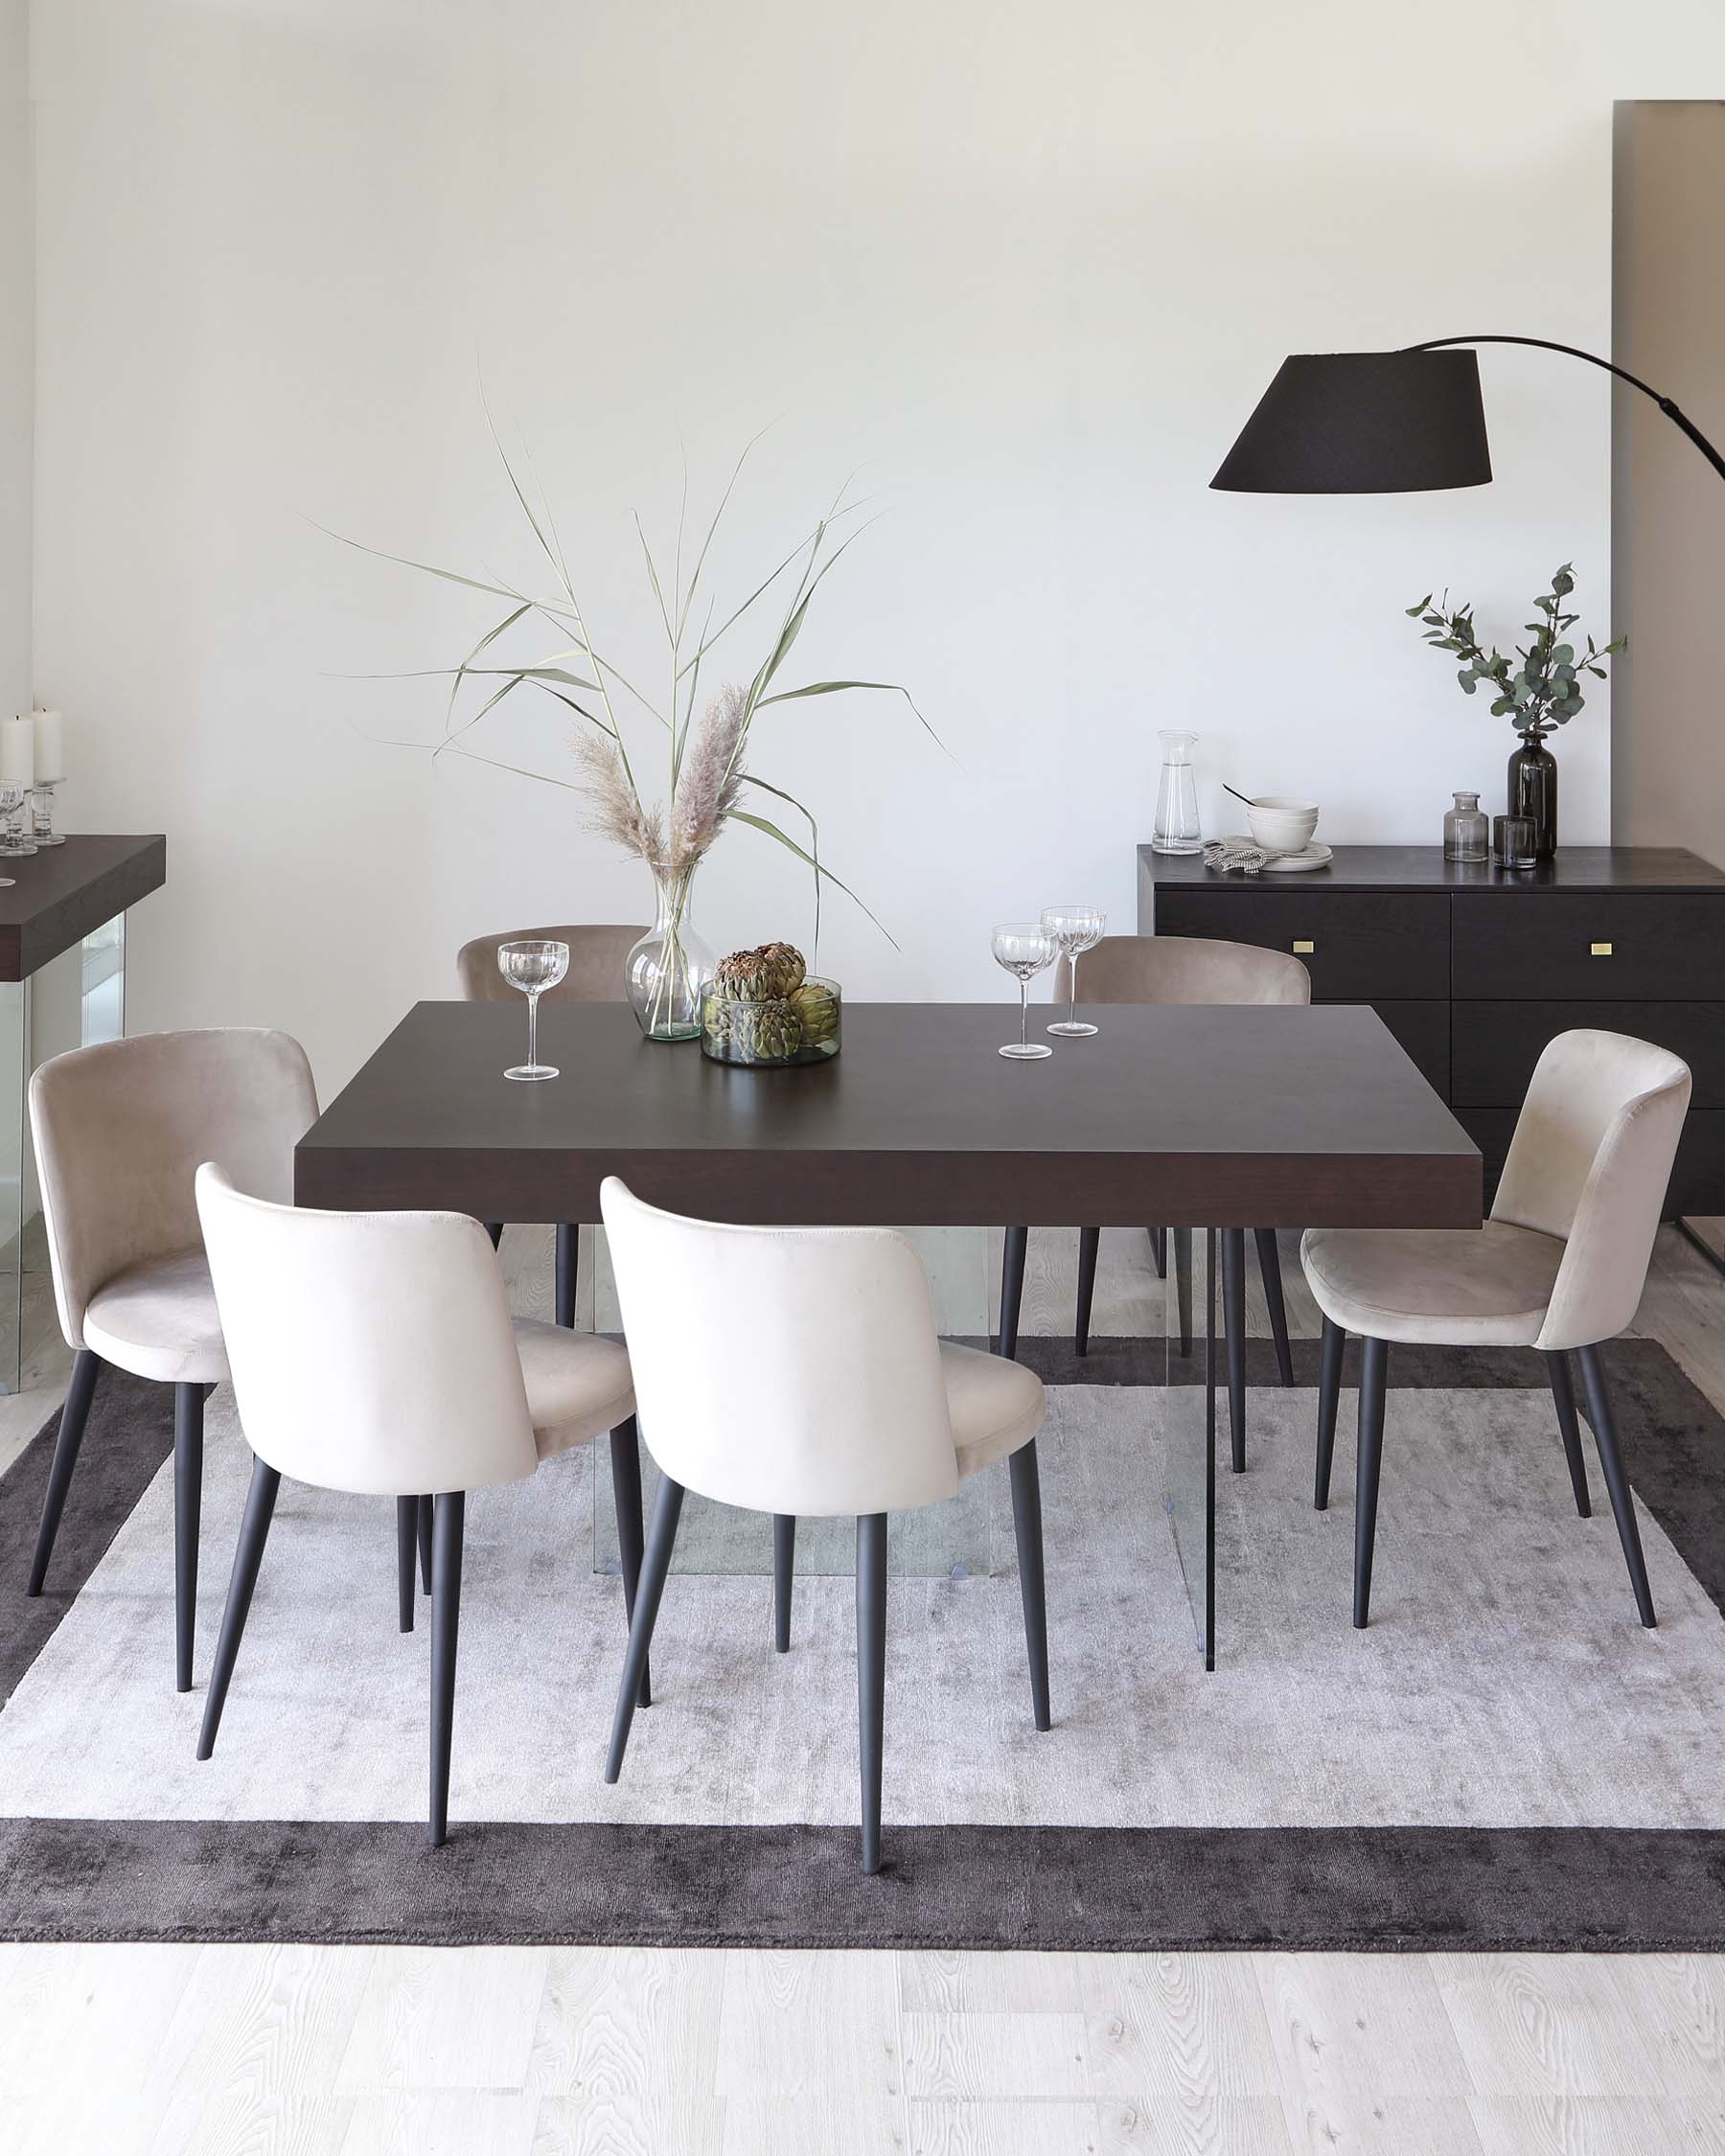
(598, 954)
(118, 1130)
(1178, 969)
(1560, 1264)
(375, 1353)
(868, 1413)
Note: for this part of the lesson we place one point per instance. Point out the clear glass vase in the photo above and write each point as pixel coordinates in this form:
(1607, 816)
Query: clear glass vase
(668, 968)
(1466, 830)
(1176, 829)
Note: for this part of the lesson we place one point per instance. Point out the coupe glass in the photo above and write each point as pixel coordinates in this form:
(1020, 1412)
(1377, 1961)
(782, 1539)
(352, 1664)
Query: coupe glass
(1025, 949)
(1076, 930)
(533, 968)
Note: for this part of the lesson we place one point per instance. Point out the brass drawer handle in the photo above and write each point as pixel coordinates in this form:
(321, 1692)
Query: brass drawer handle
(1304, 944)
(1599, 951)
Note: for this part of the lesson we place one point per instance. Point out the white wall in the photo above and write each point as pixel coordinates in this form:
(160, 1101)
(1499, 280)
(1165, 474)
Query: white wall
(17, 355)
(1029, 267)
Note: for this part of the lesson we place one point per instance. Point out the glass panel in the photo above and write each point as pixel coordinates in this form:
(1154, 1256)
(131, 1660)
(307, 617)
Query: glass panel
(950, 1541)
(1189, 1470)
(14, 1175)
(101, 967)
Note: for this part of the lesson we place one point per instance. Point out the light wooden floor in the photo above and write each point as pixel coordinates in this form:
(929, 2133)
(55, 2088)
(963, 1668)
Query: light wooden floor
(500, 2051)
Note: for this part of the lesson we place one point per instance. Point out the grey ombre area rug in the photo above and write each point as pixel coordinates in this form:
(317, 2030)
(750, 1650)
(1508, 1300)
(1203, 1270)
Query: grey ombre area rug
(1504, 1759)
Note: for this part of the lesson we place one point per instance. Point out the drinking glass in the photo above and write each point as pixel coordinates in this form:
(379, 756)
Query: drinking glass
(1025, 949)
(533, 968)
(1076, 930)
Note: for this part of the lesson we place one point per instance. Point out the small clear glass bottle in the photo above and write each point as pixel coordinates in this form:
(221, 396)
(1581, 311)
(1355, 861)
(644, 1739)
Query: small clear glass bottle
(1466, 830)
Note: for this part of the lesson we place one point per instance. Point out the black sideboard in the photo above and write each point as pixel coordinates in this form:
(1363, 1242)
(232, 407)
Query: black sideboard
(1474, 971)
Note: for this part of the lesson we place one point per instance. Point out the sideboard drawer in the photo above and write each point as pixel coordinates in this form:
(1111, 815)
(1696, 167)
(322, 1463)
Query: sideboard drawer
(1495, 1046)
(1423, 1029)
(1557, 946)
(1359, 947)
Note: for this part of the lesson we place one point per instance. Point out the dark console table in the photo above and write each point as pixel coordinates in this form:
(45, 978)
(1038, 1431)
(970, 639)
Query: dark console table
(1474, 971)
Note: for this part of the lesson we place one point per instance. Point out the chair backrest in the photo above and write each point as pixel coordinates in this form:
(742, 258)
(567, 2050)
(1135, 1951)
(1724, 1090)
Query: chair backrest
(1590, 1162)
(1183, 970)
(597, 955)
(369, 1352)
(119, 1130)
(787, 1370)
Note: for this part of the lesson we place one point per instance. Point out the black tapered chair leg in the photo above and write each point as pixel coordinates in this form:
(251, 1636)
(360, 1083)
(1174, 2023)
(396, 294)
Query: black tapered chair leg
(188, 1509)
(1374, 1373)
(1012, 1287)
(495, 1229)
(1329, 1393)
(625, 1496)
(1027, 1529)
(568, 1256)
(656, 1563)
(406, 1547)
(449, 1517)
(784, 1574)
(1159, 1251)
(1089, 1242)
(1563, 1398)
(1270, 1266)
(1234, 1327)
(74, 1416)
(425, 1543)
(248, 1555)
(871, 1675)
(1611, 1461)
(1183, 1284)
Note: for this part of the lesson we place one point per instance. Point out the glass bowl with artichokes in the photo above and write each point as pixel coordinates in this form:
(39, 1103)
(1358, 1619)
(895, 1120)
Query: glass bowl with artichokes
(764, 1009)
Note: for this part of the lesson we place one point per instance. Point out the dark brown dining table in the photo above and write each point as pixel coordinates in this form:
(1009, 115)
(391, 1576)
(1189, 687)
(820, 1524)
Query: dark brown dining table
(1185, 1116)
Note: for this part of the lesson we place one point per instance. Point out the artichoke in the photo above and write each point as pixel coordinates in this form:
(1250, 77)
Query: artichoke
(817, 1008)
(769, 1032)
(745, 977)
(786, 969)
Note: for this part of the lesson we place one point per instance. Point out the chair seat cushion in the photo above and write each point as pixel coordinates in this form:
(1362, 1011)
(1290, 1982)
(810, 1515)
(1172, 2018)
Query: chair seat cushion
(577, 1384)
(158, 1320)
(996, 1405)
(1448, 1287)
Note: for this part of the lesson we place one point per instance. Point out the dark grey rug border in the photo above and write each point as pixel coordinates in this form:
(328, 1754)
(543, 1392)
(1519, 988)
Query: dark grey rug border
(1083, 1890)
(1102, 1890)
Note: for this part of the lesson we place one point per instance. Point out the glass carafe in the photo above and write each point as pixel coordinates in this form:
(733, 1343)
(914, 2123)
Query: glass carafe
(1176, 829)
(670, 966)
(1466, 830)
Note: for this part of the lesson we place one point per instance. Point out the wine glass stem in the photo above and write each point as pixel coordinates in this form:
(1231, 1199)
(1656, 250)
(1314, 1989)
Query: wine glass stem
(532, 1029)
(1072, 1012)
(1024, 1014)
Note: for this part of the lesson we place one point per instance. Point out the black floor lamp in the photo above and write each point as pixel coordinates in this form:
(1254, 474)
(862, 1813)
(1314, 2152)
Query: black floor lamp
(1393, 423)
(1389, 422)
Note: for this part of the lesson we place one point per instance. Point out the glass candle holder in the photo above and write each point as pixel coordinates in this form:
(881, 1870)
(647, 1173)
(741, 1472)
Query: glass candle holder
(1513, 842)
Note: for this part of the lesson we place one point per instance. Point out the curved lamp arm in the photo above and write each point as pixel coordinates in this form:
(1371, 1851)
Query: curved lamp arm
(1670, 410)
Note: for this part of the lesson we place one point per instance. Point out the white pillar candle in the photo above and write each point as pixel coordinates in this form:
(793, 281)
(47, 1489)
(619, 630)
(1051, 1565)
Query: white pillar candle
(50, 762)
(17, 751)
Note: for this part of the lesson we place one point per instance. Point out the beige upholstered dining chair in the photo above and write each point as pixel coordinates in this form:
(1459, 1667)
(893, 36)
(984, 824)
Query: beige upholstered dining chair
(119, 1130)
(375, 1353)
(868, 1413)
(1559, 1265)
(598, 953)
(1178, 969)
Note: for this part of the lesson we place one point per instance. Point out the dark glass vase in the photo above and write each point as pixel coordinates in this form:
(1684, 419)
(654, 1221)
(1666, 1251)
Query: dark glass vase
(1534, 791)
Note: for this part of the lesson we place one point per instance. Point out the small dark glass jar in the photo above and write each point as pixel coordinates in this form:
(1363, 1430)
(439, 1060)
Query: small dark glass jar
(1533, 791)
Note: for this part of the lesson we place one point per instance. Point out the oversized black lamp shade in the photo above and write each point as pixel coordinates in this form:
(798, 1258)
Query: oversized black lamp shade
(1389, 422)
(1364, 422)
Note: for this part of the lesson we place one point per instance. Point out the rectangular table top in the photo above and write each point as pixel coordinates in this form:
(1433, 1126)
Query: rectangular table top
(58, 895)
(1261, 1117)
